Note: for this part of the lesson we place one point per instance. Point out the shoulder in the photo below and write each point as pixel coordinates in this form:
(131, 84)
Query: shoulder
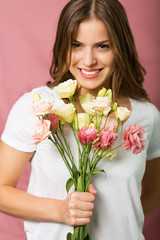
(21, 120)
(25, 102)
(146, 115)
(145, 110)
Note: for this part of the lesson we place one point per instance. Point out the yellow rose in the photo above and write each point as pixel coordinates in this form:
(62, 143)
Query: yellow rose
(104, 93)
(66, 89)
(114, 106)
(36, 97)
(83, 120)
(111, 154)
(122, 113)
(109, 94)
(66, 112)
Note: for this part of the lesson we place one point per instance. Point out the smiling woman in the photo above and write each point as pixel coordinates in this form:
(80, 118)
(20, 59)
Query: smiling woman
(91, 58)
(95, 46)
(110, 21)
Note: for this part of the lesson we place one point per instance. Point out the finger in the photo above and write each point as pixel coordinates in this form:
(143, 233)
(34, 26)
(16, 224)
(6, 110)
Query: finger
(79, 221)
(83, 196)
(80, 214)
(81, 205)
(92, 190)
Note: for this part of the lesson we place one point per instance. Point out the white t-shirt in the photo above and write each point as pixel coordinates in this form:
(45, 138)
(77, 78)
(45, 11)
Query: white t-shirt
(118, 212)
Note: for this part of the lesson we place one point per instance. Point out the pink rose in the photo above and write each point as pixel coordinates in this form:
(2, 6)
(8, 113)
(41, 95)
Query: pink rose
(106, 139)
(87, 135)
(41, 131)
(134, 138)
(110, 125)
(54, 119)
(42, 107)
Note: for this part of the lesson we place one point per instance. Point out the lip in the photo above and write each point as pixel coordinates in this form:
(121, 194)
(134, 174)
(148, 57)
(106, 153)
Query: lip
(92, 72)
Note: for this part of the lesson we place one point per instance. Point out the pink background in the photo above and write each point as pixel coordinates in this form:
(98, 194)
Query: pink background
(27, 29)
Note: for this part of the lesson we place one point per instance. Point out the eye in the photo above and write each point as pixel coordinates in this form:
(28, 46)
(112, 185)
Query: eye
(101, 46)
(76, 45)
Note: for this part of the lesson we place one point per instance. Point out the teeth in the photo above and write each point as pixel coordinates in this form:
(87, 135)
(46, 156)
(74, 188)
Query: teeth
(89, 73)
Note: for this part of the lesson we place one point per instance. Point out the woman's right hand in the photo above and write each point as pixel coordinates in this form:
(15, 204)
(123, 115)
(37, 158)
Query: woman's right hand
(78, 206)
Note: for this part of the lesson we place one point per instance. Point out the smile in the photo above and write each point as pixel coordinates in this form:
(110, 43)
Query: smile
(90, 73)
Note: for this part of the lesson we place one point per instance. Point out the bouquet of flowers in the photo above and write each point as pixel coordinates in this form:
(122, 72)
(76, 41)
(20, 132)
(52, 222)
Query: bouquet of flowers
(95, 131)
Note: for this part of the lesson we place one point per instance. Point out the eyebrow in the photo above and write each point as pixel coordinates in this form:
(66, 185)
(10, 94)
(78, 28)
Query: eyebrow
(101, 42)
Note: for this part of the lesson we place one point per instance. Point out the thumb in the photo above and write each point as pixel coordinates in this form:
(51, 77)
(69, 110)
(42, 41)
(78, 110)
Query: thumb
(92, 190)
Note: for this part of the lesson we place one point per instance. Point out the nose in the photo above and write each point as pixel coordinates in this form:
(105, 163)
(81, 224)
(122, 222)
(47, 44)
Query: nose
(89, 58)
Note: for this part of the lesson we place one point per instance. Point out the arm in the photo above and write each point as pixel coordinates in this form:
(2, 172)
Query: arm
(76, 209)
(151, 186)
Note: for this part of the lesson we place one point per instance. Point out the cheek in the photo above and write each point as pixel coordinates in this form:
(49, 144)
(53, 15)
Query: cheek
(74, 58)
(107, 60)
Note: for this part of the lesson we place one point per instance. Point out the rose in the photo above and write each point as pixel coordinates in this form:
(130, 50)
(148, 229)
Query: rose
(83, 120)
(106, 139)
(122, 113)
(36, 97)
(104, 93)
(66, 112)
(98, 104)
(41, 131)
(102, 104)
(88, 108)
(87, 103)
(110, 125)
(134, 138)
(109, 153)
(66, 89)
(54, 119)
(42, 107)
(87, 135)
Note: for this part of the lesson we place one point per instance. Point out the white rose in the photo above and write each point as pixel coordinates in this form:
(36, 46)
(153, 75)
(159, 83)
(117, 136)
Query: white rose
(66, 89)
(88, 108)
(102, 104)
(122, 113)
(66, 112)
(87, 103)
(42, 107)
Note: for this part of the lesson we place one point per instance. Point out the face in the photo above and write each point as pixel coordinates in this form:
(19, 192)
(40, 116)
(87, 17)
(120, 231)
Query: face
(92, 58)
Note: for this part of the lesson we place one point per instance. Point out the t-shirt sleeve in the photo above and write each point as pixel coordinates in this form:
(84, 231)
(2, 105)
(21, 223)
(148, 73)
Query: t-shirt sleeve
(19, 125)
(154, 144)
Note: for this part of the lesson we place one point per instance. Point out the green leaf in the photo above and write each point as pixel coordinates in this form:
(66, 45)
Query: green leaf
(76, 233)
(80, 185)
(98, 171)
(85, 231)
(69, 236)
(88, 167)
(74, 171)
(69, 184)
(81, 233)
(87, 237)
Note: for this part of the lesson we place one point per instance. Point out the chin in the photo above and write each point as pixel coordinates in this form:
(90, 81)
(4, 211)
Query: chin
(91, 85)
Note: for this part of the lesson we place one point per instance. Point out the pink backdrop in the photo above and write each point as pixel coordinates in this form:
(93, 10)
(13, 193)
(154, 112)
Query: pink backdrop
(26, 36)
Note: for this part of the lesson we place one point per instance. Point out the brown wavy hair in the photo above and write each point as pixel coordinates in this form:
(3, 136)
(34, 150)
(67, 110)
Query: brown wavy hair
(128, 74)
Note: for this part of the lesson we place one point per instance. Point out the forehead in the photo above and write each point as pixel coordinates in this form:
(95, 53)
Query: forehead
(91, 30)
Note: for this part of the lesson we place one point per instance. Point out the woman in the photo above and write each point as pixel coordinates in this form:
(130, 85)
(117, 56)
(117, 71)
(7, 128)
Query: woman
(94, 45)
